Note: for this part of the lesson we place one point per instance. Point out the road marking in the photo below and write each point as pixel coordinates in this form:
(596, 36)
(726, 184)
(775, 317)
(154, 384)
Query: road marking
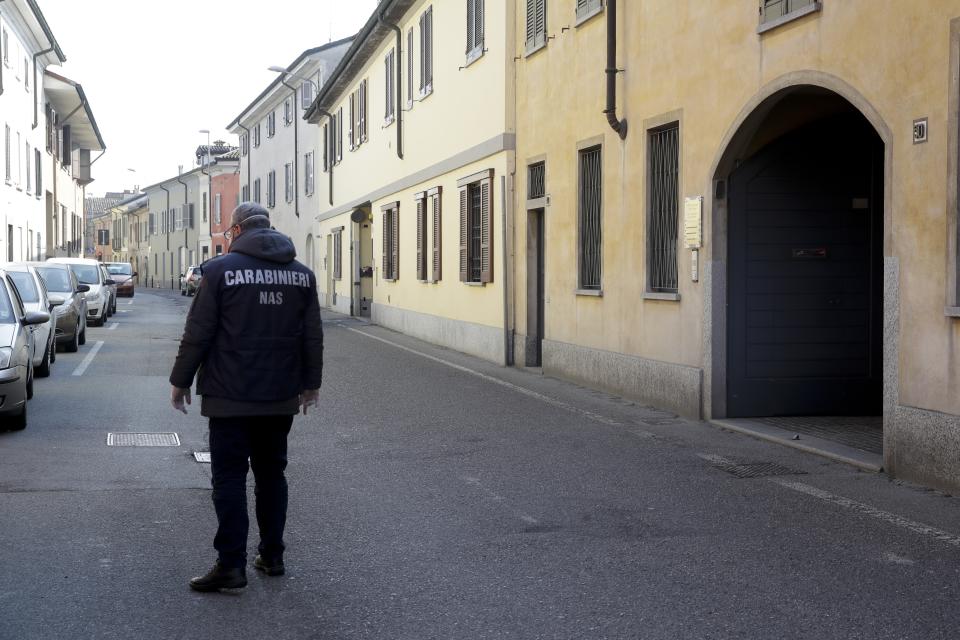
(865, 509)
(527, 392)
(123, 310)
(129, 301)
(853, 505)
(86, 361)
(113, 326)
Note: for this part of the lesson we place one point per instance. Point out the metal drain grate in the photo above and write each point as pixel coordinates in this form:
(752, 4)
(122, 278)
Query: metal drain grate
(202, 456)
(757, 469)
(143, 440)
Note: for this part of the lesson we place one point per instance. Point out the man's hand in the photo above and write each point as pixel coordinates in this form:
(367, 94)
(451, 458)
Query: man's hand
(309, 398)
(177, 398)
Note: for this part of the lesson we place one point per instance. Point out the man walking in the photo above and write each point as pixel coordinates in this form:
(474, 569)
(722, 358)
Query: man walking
(254, 334)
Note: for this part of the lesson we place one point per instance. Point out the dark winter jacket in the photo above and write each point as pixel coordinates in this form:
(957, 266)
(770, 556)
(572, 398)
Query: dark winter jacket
(253, 331)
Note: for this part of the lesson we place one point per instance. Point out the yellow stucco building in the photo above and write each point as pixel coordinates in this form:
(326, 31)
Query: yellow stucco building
(416, 124)
(765, 225)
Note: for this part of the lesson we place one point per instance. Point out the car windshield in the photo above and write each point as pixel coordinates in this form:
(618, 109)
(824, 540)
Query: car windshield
(57, 280)
(25, 285)
(6, 309)
(86, 274)
(120, 269)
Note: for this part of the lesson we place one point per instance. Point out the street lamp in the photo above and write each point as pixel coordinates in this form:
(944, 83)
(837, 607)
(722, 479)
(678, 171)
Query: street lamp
(283, 70)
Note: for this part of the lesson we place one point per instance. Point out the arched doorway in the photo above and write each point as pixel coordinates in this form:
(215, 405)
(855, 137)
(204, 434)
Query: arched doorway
(803, 205)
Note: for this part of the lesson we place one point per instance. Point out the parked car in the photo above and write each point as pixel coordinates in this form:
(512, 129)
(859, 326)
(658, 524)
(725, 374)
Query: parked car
(124, 275)
(69, 306)
(112, 288)
(190, 280)
(33, 294)
(88, 272)
(16, 354)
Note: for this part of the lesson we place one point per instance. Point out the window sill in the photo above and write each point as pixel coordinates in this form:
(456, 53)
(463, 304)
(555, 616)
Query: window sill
(535, 48)
(591, 293)
(425, 92)
(667, 297)
(588, 16)
(790, 17)
(475, 284)
(389, 279)
(473, 55)
(951, 312)
(388, 121)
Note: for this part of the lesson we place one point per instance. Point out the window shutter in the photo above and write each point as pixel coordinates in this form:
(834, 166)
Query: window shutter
(396, 243)
(387, 92)
(386, 267)
(436, 236)
(410, 59)
(486, 231)
(478, 24)
(531, 22)
(541, 22)
(67, 156)
(353, 115)
(464, 232)
(192, 213)
(326, 147)
(339, 134)
(423, 51)
(429, 48)
(363, 111)
(421, 232)
(470, 15)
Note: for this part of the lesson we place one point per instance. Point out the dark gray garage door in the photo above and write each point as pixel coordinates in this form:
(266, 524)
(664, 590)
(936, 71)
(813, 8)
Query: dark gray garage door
(805, 278)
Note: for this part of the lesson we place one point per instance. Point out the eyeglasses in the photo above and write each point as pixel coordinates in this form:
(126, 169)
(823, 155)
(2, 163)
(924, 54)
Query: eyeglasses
(229, 234)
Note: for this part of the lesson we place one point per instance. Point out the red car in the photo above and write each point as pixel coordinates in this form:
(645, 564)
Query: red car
(124, 275)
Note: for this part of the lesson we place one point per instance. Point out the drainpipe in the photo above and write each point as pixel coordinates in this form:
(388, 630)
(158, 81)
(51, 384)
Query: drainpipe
(296, 151)
(249, 155)
(399, 109)
(35, 56)
(330, 152)
(620, 126)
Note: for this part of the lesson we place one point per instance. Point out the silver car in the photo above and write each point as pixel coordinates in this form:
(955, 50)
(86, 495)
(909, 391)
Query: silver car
(33, 294)
(16, 354)
(69, 305)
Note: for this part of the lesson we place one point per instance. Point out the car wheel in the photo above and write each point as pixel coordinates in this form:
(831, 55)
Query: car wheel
(83, 333)
(74, 344)
(44, 369)
(53, 348)
(131, 293)
(19, 422)
(114, 307)
(183, 292)
(109, 312)
(30, 384)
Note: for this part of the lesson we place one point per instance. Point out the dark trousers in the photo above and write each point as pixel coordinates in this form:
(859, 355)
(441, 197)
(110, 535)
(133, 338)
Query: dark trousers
(263, 441)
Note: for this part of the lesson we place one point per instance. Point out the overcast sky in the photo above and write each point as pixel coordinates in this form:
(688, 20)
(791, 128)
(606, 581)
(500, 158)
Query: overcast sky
(157, 72)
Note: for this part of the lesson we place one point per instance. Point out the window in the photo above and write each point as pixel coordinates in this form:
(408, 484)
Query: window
(338, 254)
(434, 205)
(6, 139)
(308, 174)
(288, 181)
(421, 200)
(389, 87)
(588, 8)
(19, 162)
(352, 125)
(244, 144)
(256, 135)
(189, 215)
(339, 134)
(589, 237)
(391, 241)
(272, 189)
(38, 184)
(28, 160)
(271, 124)
(326, 145)
(475, 29)
(536, 24)
(256, 190)
(26, 75)
(217, 203)
(775, 12)
(245, 193)
(306, 94)
(152, 224)
(287, 112)
(536, 180)
(476, 228)
(426, 52)
(178, 219)
(362, 115)
(204, 207)
(664, 198)
(6, 48)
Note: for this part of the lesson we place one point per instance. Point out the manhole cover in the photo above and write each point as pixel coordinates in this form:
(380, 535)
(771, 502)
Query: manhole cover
(202, 456)
(143, 440)
(757, 469)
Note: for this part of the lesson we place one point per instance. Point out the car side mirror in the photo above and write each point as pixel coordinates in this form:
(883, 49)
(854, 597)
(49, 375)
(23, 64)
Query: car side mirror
(135, 274)
(83, 288)
(35, 317)
(181, 275)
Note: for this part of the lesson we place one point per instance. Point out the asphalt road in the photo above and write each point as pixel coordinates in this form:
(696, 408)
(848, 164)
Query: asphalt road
(437, 496)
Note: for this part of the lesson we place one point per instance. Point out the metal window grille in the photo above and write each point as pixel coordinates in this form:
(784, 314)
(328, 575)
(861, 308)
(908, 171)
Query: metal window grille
(475, 223)
(536, 180)
(590, 232)
(773, 9)
(664, 163)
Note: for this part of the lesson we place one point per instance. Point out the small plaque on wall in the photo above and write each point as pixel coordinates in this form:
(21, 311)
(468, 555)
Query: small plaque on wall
(693, 222)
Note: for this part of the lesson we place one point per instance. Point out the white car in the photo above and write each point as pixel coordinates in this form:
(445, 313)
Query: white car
(98, 298)
(33, 294)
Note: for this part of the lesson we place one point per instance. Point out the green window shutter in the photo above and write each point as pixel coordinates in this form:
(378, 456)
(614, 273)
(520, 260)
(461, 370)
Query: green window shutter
(464, 233)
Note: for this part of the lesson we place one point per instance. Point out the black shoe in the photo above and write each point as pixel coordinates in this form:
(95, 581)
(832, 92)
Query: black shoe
(269, 567)
(220, 578)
